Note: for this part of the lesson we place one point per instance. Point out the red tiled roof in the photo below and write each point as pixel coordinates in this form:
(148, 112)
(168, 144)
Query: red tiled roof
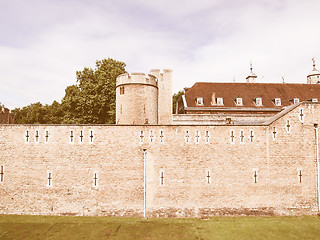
(250, 91)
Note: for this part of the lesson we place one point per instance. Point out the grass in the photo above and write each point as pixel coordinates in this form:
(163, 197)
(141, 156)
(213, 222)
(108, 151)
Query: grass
(54, 227)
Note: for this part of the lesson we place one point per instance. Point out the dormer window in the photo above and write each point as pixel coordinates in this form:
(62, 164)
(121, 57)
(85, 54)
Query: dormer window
(239, 101)
(314, 99)
(258, 101)
(296, 100)
(220, 101)
(277, 101)
(199, 101)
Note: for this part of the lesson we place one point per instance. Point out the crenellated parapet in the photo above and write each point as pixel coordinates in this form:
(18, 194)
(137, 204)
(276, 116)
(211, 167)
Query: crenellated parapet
(137, 78)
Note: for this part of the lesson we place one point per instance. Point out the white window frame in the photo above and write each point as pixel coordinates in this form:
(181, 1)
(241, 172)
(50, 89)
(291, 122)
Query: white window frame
(314, 99)
(220, 101)
(199, 101)
(239, 102)
(277, 101)
(296, 100)
(259, 102)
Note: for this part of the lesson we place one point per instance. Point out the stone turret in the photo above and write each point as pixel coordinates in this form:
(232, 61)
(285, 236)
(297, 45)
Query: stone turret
(314, 75)
(144, 98)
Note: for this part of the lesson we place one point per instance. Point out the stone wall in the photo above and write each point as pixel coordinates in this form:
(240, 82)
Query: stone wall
(256, 174)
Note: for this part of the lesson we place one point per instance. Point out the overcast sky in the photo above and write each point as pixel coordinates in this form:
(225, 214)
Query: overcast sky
(43, 43)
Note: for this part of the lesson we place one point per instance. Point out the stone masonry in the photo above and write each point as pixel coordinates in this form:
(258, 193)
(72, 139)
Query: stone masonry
(269, 168)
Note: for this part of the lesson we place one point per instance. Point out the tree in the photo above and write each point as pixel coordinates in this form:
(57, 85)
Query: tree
(92, 100)
(175, 99)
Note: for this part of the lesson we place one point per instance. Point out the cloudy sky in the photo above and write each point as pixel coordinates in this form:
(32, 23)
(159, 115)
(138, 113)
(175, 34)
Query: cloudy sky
(44, 42)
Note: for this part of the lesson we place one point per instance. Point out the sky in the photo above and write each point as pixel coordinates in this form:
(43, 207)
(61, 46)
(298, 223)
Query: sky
(44, 42)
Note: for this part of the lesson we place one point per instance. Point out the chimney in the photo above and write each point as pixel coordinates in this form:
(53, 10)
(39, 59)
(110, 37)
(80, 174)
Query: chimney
(213, 98)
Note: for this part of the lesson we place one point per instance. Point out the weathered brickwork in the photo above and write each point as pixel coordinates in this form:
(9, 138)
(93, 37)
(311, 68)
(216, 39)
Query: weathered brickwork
(191, 170)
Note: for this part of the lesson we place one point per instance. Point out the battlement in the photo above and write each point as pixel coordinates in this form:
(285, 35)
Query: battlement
(137, 78)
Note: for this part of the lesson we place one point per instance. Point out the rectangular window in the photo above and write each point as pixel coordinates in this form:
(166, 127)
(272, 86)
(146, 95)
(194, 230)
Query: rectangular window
(296, 100)
(277, 101)
(199, 101)
(239, 101)
(220, 101)
(258, 101)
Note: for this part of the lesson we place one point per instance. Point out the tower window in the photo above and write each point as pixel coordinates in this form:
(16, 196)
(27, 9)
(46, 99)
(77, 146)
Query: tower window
(121, 90)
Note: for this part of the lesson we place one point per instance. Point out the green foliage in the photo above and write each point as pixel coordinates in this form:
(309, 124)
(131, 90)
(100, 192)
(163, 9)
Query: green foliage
(90, 101)
(175, 99)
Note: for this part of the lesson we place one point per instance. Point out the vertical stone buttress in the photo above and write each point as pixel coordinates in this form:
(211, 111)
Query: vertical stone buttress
(164, 95)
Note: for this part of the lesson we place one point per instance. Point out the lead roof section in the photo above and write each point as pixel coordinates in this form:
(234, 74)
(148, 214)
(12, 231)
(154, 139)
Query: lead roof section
(249, 92)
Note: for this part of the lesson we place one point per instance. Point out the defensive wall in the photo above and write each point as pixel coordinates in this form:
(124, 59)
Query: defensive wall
(268, 168)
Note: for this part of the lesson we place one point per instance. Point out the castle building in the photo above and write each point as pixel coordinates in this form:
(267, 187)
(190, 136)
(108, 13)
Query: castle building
(254, 156)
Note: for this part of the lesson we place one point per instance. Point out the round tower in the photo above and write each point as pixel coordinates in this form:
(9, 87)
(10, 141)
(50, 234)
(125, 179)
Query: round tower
(136, 99)
(314, 75)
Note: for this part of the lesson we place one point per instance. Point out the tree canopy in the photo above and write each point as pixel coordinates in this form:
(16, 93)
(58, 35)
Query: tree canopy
(90, 100)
